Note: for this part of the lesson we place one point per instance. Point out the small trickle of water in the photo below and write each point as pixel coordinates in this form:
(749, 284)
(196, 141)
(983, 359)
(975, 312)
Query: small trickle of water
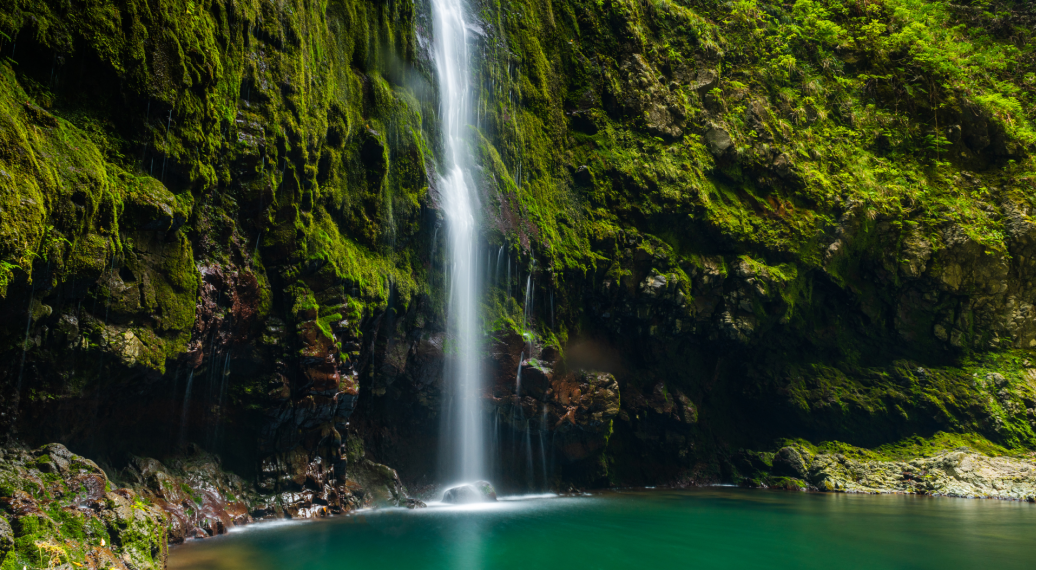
(530, 458)
(219, 412)
(184, 408)
(25, 341)
(528, 307)
(518, 366)
(552, 310)
(541, 445)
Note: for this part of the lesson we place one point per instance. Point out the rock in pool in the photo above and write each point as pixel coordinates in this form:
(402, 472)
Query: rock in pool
(475, 492)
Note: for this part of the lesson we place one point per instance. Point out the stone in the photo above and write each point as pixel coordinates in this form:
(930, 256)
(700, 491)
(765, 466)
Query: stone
(718, 141)
(750, 462)
(535, 378)
(6, 538)
(646, 97)
(687, 409)
(152, 207)
(707, 79)
(916, 251)
(956, 473)
(791, 462)
(476, 492)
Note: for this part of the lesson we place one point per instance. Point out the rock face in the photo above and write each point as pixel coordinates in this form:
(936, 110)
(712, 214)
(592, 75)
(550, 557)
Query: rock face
(570, 410)
(650, 101)
(217, 236)
(476, 492)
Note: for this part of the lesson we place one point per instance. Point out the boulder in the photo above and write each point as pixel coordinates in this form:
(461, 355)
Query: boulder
(718, 141)
(53, 458)
(792, 462)
(707, 79)
(476, 492)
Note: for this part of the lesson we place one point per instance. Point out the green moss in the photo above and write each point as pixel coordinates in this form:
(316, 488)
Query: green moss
(912, 447)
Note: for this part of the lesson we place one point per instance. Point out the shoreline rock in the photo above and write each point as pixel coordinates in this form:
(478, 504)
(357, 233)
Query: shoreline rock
(955, 473)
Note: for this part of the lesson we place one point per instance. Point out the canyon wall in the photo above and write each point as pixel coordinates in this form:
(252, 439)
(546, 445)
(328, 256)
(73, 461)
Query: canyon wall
(712, 230)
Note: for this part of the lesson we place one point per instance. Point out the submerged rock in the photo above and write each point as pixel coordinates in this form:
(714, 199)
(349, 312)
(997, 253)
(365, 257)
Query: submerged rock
(476, 492)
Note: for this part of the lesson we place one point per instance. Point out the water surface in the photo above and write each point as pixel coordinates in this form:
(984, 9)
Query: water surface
(700, 528)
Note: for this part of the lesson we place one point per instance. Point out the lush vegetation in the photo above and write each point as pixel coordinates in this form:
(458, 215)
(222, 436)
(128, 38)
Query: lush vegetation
(809, 220)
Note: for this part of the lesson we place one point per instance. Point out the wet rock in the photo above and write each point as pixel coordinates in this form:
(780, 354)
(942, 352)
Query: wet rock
(792, 462)
(476, 492)
(6, 538)
(415, 504)
(718, 141)
(758, 117)
(916, 251)
(687, 409)
(750, 462)
(150, 206)
(535, 378)
(382, 485)
(117, 527)
(959, 473)
(646, 97)
(193, 493)
(783, 166)
(39, 115)
(660, 401)
(53, 458)
(707, 79)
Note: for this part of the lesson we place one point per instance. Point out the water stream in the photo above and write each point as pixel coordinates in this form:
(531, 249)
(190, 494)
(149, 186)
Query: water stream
(463, 455)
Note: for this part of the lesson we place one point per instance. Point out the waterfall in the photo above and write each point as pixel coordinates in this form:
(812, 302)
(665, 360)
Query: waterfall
(530, 460)
(219, 410)
(518, 366)
(541, 445)
(528, 308)
(498, 263)
(465, 428)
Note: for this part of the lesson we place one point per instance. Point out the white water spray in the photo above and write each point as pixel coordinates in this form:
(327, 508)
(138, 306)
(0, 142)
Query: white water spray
(465, 433)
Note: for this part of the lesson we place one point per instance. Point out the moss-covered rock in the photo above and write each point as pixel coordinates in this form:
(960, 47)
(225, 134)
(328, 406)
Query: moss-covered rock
(63, 510)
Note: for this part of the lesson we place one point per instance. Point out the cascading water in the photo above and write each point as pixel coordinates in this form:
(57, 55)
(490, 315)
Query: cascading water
(465, 430)
(184, 411)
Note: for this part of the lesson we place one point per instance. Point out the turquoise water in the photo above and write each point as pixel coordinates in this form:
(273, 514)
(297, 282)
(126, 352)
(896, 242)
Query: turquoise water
(700, 528)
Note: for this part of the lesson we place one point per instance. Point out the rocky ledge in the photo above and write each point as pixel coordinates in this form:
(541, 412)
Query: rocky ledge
(961, 472)
(59, 509)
